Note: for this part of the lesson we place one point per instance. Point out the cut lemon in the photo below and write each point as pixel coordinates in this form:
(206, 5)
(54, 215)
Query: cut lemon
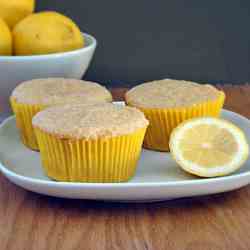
(209, 147)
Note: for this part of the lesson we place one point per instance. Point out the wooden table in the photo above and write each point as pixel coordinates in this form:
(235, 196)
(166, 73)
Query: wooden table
(31, 221)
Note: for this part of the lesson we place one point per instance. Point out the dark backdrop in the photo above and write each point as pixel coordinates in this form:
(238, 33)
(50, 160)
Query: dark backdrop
(139, 40)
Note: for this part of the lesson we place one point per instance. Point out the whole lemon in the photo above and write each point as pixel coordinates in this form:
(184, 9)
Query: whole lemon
(45, 33)
(5, 39)
(12, 11)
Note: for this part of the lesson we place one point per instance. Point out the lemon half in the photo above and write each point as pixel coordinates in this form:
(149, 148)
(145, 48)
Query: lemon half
(209, 147)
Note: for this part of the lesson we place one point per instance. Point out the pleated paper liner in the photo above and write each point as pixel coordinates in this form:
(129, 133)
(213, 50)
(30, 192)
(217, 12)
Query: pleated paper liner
(163, 121)
(79, 160)
(24, 114)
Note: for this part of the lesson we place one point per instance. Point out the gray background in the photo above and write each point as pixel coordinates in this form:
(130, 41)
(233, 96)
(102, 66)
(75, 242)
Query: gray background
(205, 41)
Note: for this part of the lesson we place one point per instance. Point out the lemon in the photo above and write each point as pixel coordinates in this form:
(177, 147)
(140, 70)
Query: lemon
(5, 39)
(209, 147)
(45, 33)
(12, 11)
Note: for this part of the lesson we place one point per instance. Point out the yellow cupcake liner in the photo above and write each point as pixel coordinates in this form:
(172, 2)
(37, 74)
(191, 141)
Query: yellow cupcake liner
(79, 160)
(24, 114)
(163, 121)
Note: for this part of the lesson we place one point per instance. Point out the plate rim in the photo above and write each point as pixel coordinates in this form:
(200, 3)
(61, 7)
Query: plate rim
(13, 175)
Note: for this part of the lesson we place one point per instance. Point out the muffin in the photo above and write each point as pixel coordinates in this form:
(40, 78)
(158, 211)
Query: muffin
(33, 96)
(96, 143)
(166, 103)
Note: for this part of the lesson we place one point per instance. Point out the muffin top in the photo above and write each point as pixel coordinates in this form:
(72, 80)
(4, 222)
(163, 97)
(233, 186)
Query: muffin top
(55, 91)
(170, 93)
(89, 121)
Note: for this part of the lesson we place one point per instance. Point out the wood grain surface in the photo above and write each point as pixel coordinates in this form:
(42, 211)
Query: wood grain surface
(30, 221)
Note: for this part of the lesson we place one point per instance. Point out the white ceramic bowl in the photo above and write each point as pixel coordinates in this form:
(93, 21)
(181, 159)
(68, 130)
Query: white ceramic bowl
(16, 69)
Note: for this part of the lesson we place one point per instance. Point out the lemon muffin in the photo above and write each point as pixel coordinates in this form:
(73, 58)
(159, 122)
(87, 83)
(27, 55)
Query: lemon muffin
(96, 143)
(166, 103)
(32, 96)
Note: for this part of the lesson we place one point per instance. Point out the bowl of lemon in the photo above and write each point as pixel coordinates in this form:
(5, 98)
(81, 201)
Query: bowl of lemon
(39, 45)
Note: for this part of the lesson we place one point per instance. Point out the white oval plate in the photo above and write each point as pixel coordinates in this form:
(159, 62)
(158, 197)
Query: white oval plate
(157, 178)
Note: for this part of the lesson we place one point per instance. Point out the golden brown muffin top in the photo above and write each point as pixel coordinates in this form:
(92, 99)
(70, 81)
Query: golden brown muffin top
(56, 91)
(170, 93)
(89, 121)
